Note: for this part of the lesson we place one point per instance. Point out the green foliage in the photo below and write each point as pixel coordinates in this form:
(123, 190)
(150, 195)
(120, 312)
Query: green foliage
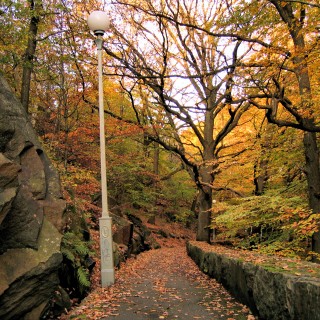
(133, 183)
(272, 223)
(83, 277)
(73, 243)
(178, 194)
(75, 250)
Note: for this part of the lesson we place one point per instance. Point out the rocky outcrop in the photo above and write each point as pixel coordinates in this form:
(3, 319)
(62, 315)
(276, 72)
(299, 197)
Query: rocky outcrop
(31, 210)
(142, 237)
(270, 294)
(123, 230)
(131, 237)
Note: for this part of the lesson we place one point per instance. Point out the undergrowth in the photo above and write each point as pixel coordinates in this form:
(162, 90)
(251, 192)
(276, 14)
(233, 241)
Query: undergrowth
(75, 252)
(272, 224)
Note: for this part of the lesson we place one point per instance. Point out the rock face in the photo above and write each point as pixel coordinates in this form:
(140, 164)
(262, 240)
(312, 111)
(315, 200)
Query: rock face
(131, 237)
(269, 294)
(31, 209)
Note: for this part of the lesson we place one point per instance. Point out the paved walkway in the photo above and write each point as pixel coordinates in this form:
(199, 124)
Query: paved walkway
(166, 284)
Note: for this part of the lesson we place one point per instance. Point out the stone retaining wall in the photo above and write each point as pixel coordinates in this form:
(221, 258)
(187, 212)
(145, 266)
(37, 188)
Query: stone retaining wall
(270, 295)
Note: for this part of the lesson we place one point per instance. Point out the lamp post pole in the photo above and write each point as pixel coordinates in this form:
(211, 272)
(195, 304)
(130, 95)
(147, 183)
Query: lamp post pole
(98, 22)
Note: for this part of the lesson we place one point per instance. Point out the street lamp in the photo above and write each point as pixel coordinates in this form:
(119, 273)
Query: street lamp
(98, 22)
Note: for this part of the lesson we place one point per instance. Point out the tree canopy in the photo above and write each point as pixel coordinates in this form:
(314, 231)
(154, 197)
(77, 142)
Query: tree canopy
(205, 101)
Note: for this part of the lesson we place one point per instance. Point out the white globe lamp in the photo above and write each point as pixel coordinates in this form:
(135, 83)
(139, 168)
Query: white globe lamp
(98, 22)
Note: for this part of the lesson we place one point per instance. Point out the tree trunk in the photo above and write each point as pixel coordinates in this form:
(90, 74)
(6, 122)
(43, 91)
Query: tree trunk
(204, 217)
(313, 178)
(156, 158)
(205, 201)
(260, 176)
(29, 55)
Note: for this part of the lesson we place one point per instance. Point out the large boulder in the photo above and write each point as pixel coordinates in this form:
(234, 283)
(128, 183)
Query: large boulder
(31, 215)
(123, 230)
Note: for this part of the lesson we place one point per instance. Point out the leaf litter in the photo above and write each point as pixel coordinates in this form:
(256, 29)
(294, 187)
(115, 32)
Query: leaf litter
(159, 284)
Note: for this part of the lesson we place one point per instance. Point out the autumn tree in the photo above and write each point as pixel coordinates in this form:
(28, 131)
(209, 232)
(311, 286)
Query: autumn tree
(190, 70)
(279, 72)
(187, 73)
(13, 34)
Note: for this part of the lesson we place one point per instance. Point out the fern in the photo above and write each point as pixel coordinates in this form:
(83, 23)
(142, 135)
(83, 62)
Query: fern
(68, 254)
(75, 250)
(81, 248)
(83, 277)
(73, 246)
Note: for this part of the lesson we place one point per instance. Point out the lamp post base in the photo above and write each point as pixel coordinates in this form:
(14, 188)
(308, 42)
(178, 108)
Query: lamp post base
(107, 277)
(106, 248)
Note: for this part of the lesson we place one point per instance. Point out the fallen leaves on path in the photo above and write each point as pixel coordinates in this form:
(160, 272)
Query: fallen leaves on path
(161, 265)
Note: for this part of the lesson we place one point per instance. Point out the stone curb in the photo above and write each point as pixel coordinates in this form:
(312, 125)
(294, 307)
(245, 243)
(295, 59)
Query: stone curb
(270, 295)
